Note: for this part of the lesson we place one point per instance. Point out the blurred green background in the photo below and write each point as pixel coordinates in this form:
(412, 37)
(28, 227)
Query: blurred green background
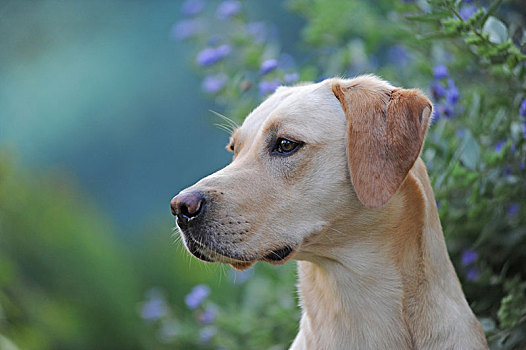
(104, 116)
(101, 123)
(98, 90)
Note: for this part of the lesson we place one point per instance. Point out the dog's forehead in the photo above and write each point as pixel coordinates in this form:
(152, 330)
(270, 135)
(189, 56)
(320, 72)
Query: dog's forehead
(311, 107)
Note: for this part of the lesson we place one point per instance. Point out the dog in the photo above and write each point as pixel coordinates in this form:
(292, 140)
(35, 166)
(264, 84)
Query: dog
(329, 174)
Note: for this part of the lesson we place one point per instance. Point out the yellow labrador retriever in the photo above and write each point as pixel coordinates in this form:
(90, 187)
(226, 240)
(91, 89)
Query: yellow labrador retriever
(329, 174)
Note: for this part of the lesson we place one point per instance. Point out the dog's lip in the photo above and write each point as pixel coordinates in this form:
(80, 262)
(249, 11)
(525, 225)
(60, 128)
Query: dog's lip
(279, 256)
(242, 265)
(200, 251)
(276, 256)
(195, 248)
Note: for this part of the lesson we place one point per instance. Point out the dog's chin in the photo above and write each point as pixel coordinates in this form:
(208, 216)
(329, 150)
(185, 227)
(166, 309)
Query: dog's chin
(275, 257)
(242, 265)
(201, 252)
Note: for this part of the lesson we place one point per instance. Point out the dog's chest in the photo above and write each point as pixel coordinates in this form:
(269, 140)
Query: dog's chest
(342, 313)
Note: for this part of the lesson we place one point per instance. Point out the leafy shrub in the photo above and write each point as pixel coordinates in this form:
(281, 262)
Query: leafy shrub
(468, 56)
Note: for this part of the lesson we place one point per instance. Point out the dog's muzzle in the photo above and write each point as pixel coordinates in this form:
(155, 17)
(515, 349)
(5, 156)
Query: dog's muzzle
(189, 207)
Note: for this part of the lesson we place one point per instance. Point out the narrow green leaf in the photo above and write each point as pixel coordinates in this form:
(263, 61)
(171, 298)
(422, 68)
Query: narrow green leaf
(469, 151)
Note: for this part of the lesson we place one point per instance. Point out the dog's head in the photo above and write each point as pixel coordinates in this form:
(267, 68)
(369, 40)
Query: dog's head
(307, 157)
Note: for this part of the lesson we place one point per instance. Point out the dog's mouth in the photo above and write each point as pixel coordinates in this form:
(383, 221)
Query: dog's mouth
(204, 253)
(279, 255)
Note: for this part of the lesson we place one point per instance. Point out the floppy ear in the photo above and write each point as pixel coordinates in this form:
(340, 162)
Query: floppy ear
(386, 128)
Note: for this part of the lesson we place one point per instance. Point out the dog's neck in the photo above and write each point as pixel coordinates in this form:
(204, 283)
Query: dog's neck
(385, 285)
(350, 309)
(352, 298)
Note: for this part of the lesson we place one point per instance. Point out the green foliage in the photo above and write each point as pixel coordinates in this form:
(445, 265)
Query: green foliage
(511, 311)
(63, 282)
(486, 35)
(261, 313)
(472, 59)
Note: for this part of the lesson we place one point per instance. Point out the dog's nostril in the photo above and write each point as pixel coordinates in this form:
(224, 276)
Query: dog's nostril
(187, 204)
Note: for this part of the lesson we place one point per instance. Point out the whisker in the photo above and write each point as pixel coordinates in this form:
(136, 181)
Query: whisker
(230, 122)
(223, 272)
(225, 128)
(176, 235)
(177, 239)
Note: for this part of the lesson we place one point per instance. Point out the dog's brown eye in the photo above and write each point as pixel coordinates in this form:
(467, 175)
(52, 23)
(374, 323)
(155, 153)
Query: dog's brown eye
(286, 147)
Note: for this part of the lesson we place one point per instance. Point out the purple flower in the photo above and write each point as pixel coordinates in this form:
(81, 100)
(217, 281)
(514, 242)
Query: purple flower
(440, 71)
(153, 309)
(291, 78)
(438, 90)
(211, 55)
(466, 12)
(469, 256)
(435, 115)
(208, 316)
(467, 1)
(223, 50)
(257, 30)
(398, 55)
(442, 110)
(473, 274)
(197, 296)
(228, 9)
(184, 29)
(192, 7)
(522, 109)
(499, 145)
(452, 93)
(268, 86)
(214, 83)
(268, 66)
(513, 209)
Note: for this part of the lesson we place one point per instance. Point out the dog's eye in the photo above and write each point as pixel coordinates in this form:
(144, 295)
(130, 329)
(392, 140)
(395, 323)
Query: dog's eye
(286, 147)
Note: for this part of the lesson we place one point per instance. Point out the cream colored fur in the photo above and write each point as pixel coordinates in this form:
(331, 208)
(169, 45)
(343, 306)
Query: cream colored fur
(369, 278)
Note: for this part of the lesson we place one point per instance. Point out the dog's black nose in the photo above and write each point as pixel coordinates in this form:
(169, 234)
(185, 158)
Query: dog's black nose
(187, 204)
